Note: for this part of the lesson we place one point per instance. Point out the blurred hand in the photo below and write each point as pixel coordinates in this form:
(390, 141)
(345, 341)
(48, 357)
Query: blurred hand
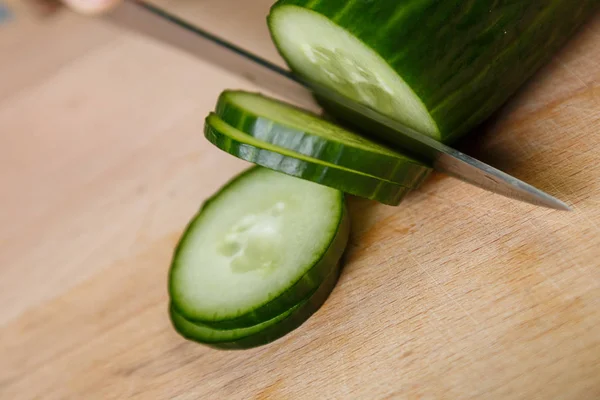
(90, 7)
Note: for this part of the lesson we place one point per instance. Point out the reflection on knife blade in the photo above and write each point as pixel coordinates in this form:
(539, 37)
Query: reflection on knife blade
(153, 22)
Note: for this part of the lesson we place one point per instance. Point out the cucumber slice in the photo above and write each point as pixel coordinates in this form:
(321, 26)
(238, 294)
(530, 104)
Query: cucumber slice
(291, 128)
(438, 66)
(260, 334)
(249, 148)
(256, 248)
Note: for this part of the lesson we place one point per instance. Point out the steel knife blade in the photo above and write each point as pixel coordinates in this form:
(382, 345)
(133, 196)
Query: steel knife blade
(150, 21)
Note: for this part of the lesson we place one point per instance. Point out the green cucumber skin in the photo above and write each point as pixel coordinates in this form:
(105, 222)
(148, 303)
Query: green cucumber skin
(285, 323)
(285, 300)
(464, 59)
(400, 170)
(365, 186)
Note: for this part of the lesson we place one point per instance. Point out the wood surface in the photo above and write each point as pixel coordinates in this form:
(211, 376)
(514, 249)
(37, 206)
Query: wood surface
(457, 293)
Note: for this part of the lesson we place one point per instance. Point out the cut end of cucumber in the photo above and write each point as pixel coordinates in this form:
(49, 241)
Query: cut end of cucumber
(315, 47)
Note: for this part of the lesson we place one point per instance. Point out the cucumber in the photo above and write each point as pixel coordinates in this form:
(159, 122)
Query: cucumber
(440, 67)
(256, 248)
(291, 128)
(249, 148)
(260, 334)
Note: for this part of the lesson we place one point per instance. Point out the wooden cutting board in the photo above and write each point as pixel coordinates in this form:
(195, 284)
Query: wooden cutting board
(457, 293)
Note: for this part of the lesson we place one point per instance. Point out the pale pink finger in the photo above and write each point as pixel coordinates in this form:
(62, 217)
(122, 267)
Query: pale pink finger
(91, 6)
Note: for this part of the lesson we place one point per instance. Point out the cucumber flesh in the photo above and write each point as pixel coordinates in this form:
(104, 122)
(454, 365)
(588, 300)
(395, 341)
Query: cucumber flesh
(291, 128)
(249, 148)
(260, 334)
(256, 248)
(439, 66)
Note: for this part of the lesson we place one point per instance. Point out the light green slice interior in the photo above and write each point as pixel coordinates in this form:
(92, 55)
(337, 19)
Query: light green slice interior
(259, 235)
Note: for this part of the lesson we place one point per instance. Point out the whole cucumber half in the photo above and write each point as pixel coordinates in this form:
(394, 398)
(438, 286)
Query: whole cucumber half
(438, 66)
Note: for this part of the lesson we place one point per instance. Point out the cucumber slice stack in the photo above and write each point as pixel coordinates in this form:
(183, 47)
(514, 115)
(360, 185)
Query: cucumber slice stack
(258, 259)
(284, 138)
(248, 148)
(294, 129)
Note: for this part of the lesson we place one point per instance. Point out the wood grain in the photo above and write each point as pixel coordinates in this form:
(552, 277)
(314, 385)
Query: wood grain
(457, 294)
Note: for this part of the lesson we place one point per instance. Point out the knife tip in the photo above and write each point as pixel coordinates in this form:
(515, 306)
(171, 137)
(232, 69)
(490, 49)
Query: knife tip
(559, 205)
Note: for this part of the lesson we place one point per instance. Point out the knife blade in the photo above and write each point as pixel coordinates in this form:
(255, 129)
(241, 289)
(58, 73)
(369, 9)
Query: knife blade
(150, 21)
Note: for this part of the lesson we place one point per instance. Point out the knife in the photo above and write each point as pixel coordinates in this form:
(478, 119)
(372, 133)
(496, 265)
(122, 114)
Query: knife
(151, 21)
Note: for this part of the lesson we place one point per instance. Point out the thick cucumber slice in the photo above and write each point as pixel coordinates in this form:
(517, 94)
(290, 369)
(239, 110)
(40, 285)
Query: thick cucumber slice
(249, 148)
(260, 334)
(438, 66)
(256, 248)
(298, 130)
